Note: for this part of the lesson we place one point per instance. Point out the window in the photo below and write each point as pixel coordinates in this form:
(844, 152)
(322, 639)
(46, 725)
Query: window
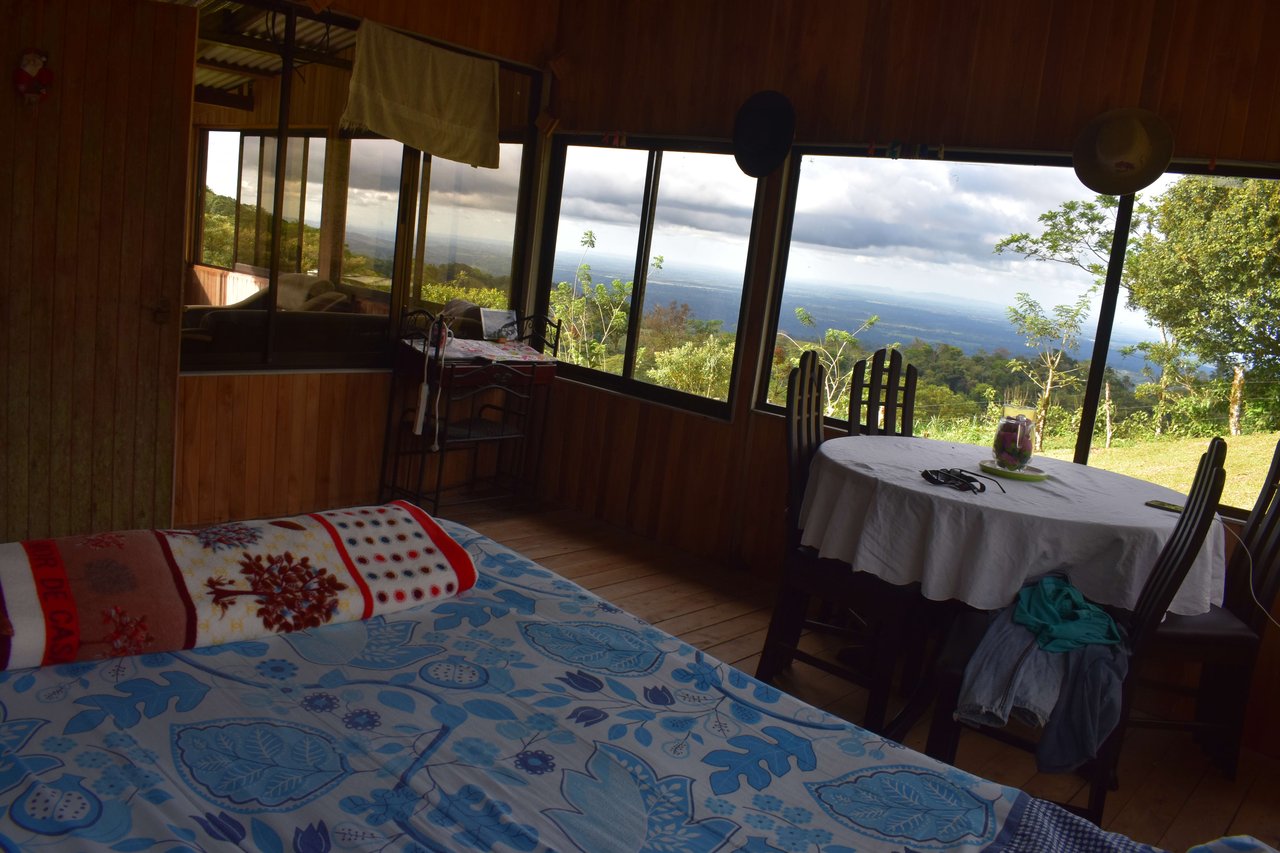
(988, 276)
(646, 274)
(239, 196)
(369, 239)
(465, 239)
(305, 246)
(339, 261)
(1198, 268)
(924, 255)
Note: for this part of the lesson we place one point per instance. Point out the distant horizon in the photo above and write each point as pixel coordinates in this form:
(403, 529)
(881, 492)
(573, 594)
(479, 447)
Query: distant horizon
(972, 325)
(673, 282)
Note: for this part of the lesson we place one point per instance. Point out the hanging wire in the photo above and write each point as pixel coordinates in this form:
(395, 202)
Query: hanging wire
(1249, 558)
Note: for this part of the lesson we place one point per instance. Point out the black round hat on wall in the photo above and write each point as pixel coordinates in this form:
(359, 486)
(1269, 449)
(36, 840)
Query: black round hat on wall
(762, 132)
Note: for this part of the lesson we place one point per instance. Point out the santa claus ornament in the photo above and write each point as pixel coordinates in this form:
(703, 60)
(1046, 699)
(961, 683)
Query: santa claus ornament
(32, 78)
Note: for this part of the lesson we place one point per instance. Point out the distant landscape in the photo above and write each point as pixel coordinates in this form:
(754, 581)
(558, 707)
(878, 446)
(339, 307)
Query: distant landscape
(714, 294)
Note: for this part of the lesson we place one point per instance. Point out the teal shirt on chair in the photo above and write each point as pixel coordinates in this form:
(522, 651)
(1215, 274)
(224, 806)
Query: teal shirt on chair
(1061, 618)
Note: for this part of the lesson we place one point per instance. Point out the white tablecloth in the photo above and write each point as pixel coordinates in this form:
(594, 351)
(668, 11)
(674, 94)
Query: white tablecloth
(867, 505)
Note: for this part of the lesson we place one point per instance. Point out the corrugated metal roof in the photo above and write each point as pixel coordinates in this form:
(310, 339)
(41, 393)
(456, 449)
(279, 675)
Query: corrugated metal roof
(312, 35)
(268, 27)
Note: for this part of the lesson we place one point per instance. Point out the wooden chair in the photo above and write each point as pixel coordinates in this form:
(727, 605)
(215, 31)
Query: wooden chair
(1139, 626)
(806, 576)
(1225, 641)
(882, 399)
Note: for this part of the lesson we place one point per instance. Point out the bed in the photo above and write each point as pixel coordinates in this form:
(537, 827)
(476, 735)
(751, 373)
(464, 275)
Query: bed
(524, 714)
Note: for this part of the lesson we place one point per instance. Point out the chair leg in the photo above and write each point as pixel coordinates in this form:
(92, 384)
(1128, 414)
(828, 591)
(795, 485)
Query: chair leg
(1101, 774)
(1221, 702)
(885, 647)
(944, 730)
(785, 626)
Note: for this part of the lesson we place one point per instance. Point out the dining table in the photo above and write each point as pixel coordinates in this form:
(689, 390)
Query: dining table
(868, 505)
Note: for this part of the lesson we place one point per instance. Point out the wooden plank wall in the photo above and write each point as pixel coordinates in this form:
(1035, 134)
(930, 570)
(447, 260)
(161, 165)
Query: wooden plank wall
(256, 445)
(1000, 74)
(93, 182)
(519, 30)
(317, 98)
(681, 479)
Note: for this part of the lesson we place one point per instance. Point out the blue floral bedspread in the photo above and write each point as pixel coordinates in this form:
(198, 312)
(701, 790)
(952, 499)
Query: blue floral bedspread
(524, 715)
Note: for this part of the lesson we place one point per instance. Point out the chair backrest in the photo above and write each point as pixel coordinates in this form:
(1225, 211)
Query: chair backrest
(414, 323)
(882, 399)
(542, 333)
(1256, 560)
(806, 407)
(1183, 545)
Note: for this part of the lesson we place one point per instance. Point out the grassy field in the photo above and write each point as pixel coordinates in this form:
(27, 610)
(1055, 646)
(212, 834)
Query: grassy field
(1172, 462)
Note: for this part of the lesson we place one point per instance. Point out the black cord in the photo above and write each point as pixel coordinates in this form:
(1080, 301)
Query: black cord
(958, 478)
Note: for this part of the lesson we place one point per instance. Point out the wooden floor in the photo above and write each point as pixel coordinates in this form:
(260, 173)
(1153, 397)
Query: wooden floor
(1169, 795)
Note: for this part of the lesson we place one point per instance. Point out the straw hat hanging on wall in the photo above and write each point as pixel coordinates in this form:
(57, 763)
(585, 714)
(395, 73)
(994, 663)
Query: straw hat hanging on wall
(1122, 151)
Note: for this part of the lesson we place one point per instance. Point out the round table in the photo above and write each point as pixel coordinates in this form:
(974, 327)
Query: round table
(867, 505)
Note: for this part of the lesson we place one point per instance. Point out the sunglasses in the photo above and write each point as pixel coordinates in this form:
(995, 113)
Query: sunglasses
(959, 479)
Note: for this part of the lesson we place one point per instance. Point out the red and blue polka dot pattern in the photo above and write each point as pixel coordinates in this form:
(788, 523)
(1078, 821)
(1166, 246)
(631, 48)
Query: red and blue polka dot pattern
(399, 555)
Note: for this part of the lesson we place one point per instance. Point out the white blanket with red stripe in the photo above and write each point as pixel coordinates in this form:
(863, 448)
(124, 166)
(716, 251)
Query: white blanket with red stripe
(131, 592)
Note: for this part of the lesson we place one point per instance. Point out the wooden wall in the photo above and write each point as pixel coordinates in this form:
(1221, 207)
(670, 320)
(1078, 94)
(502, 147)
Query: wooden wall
(519, 30)
(92, 196)
(698, 484)
(319, 96)
(1002, 74)
(316, 100)
(257, 445)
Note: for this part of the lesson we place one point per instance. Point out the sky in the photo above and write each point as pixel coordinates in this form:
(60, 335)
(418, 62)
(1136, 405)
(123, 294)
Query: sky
(876, 224)
(465, 200)
(908, 226)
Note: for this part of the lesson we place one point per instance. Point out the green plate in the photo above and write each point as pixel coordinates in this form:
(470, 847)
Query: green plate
(1028, 473)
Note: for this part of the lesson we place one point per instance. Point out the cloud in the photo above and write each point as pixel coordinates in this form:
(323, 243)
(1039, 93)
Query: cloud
(375, 165)
(924, 210)
(698, 191)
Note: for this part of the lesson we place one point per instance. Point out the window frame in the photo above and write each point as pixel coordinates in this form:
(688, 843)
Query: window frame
(269, 356)
(791, 194)
(197, 232)
(1106, 317)
(626, 383)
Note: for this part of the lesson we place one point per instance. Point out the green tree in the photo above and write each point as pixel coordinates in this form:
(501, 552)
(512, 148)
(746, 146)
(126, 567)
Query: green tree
(593, 317)
(1209, 270)
(701, 367)
(838, 351)
(1079, 234)
(1053, 336)
(1076, 233)
(1176, 377)
(593, 321)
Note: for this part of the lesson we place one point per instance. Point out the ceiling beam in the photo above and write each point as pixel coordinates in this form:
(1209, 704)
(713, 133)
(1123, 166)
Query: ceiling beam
(227, 20)
(222, 98)
(252, 10)
(233, 68)
(300, 54)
